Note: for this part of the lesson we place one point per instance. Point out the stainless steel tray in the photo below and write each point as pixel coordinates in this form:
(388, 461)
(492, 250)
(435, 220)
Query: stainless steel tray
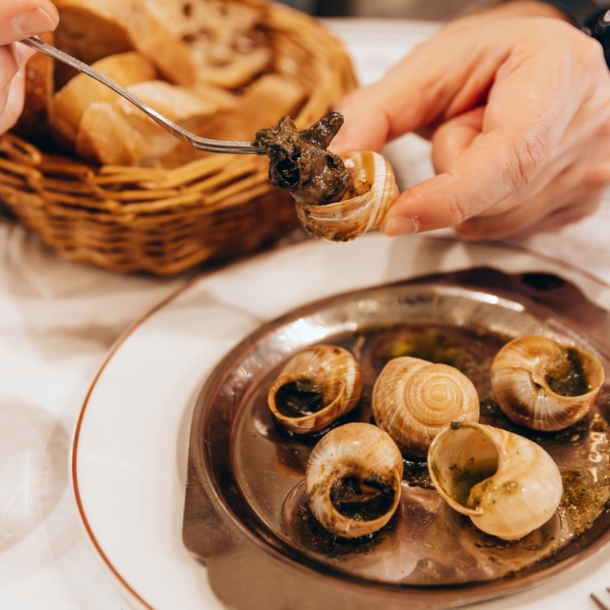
(245, 512)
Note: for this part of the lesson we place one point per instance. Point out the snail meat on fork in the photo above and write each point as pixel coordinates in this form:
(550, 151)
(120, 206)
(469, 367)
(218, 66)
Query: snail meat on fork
(544, 385)
(336, 198)
(353, 480)
(319, 385)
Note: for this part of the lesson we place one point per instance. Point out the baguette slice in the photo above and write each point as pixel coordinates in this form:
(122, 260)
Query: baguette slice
(39, 88)
(77, 95)
(225, 40)
(264, 102)
(118, 133)
(93, 29)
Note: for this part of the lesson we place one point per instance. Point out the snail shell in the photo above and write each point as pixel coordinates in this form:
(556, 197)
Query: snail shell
(545, 385)
(507, 484)
(316, 387)
(353, 480)
(413, 399)
(371, 190)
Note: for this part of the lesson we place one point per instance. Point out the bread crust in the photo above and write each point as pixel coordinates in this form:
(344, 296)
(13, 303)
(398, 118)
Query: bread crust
(92, 29)
(118, 133)
(70, 103)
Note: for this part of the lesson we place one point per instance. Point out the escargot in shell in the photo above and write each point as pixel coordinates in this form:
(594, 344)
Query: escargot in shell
(353, 480)
(544, 385)
(318, 385)
(413, 399)
(508, 485)
(336, 198)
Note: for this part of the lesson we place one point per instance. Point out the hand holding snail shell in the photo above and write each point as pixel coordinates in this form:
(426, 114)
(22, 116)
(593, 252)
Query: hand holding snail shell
(336, 198)
(545, 385)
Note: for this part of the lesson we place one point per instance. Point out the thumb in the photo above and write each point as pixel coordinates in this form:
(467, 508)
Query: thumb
(22, 18)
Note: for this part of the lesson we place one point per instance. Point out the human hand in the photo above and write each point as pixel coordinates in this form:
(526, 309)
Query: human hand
(19, 19)
(517, 104)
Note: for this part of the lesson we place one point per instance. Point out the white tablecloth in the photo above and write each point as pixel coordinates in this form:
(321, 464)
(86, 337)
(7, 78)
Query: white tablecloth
(57, 321)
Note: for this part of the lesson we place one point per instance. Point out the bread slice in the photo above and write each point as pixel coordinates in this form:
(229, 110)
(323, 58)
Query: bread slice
(226, 43)
(264, 102)
(78, 94)
(33, 123)
(118, 133)
(93, 29)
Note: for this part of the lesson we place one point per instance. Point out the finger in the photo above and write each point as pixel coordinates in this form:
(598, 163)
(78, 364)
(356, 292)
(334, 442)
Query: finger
(546, 210)
(452, 138)
(13, 98)
(565, 216)
(11, 59)
(425, 85)
(517, 140)
(22, 18)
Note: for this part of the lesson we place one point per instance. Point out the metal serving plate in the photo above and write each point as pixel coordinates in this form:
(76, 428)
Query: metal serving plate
(246, 515)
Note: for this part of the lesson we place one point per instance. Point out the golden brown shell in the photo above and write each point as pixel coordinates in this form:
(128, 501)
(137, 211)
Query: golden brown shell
(368, 460)
(413, 399)
(327, 370)
(543, 384)
(371, 191)
(507, 484)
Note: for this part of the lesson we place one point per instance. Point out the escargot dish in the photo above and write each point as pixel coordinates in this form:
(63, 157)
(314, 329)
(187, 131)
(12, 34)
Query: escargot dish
(508, 485)
(545, 385)
(413, 399)
(316, 387)
(353, 480)
(336, 198)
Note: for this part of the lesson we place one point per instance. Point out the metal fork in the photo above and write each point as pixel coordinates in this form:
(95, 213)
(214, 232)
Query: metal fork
(599, 603)
(217, 146)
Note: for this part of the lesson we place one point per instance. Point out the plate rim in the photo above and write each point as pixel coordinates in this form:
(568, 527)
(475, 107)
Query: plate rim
(192, 282)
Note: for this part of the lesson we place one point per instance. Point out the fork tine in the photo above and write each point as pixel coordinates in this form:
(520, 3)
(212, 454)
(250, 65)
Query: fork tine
(599, 603)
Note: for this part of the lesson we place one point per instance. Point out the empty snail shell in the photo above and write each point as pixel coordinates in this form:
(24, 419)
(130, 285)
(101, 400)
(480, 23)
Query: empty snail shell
(413, 399)
(353, 480)
(542, 384)
(507, 484)
(372, 188)
(316, 387)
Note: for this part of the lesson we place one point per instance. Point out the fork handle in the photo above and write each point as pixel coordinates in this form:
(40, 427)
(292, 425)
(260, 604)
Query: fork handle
(217, 146)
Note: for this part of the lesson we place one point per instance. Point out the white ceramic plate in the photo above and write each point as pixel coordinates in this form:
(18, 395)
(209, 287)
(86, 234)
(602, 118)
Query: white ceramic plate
(131, 441)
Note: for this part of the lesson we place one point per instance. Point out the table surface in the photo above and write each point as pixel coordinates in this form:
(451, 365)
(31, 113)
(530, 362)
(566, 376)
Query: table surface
(59, 319)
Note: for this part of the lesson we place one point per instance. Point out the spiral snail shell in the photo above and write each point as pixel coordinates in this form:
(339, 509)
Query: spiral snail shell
(507, 484)
(336, 198)
(543, 384)
(316, 387)
(371, 190)
(353, 480)
(413, 399)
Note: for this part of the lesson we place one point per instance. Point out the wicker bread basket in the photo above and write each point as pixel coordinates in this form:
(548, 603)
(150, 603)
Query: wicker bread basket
(162, 220)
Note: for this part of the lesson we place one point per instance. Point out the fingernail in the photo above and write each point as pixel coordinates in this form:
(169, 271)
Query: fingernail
(400, 225)
(33, 22)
